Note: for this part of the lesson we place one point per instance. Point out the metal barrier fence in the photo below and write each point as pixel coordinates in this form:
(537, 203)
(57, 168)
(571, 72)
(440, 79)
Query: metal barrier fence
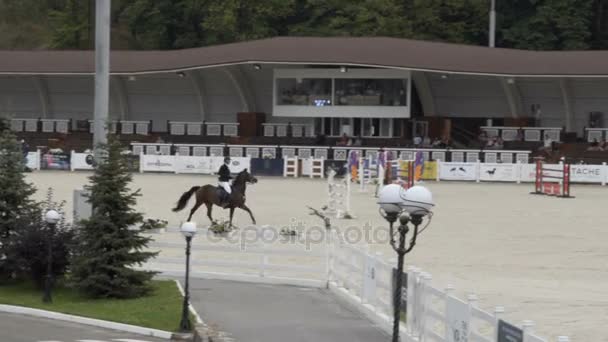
(351, 272)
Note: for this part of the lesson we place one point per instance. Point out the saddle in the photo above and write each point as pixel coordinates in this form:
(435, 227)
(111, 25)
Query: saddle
(222, 195)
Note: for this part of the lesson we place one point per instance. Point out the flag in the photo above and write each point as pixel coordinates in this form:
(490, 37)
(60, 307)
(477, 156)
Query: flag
(418, 166)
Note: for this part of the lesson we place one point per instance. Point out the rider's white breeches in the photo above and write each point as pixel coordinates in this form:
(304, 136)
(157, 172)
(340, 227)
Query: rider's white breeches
(226, 186)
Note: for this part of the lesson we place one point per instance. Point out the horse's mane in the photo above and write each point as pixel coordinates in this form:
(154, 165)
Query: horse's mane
(240, 176)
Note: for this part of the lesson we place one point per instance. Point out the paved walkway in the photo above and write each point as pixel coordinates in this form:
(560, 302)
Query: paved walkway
(273, 313)
(19, 328)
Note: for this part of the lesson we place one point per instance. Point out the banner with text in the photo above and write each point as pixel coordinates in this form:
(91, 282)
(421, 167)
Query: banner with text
(191, 164)
(156, 163)
(587, 173)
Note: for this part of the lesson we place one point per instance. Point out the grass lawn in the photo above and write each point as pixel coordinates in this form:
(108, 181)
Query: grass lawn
(160, 310)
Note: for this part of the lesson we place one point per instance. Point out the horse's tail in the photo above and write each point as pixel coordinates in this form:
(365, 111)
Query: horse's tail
(181, 204)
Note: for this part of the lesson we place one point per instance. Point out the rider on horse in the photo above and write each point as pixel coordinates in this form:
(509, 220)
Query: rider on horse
(224, 181)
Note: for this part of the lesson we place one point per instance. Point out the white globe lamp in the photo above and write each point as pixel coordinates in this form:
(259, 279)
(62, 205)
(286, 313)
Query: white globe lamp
(391, 199)
(188, 229)
(52, 217)
(418, 201)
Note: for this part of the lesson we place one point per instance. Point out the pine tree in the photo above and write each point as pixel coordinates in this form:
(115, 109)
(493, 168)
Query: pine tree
(28, 246)
(108, 249)
(15, 202)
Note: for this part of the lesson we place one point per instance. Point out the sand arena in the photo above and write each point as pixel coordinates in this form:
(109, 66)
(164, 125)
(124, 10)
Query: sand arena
(545, 259)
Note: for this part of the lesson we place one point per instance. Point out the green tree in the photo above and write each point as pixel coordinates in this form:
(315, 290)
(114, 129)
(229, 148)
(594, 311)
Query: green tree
(108, 250)
(165, 24)
(28, 245)
(347, 18)
(16, 204)
(547, 25)
(71, 25)
(454, 21)
(237, 20)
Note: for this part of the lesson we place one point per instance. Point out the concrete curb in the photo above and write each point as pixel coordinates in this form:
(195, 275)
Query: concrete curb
(88, 321)
(199, 320)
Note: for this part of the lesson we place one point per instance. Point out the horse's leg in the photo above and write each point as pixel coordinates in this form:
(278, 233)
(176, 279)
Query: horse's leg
(231, 214)
(244, 207)
(198, 204)
(209, 207)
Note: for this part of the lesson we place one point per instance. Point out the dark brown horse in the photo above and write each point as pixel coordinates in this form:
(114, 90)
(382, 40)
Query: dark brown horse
(208, 195)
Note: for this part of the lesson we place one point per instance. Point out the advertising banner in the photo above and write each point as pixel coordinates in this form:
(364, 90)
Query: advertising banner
(157, 163)
(498, 172)
(509, 333)
(528, 172)
(429, 171)
(193, 164)
(458, 171)
(587, 173)
(55, 161)
(458, 315)
(33, 160)
(82, 161)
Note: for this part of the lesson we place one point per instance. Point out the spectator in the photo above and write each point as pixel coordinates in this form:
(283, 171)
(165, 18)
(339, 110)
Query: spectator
(548, 143)
(437, 143)
(343, 140)
(358, 141)
(320, 140)
(491, 143)
(520, 134)
(483, 137)
(595, 146)
(426, 142)
(417, 141)
(499, 143)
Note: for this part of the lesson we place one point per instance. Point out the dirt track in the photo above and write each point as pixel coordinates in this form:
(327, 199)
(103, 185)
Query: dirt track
(544, 259)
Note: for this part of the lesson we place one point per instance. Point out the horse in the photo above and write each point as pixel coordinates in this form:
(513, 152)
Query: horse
(208, 195)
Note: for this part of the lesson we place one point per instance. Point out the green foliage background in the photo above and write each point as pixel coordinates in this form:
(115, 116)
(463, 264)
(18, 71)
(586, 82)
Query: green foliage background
(174, 24)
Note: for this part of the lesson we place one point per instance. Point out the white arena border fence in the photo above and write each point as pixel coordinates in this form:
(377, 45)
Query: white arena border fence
(449, 171)
(354, 275)
(516, 173)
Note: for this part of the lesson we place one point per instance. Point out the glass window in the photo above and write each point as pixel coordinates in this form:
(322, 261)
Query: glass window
(304, 91)
(371, 92)
(385, 127)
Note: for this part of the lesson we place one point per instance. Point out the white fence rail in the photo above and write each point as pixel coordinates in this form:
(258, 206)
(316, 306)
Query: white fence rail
(351, 272)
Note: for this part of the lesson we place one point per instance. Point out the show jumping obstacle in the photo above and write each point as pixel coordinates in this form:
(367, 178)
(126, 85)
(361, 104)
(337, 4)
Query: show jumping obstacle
(338, 191)
(552, 182)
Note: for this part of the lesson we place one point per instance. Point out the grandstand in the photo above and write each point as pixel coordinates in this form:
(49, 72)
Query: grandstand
(292, 91)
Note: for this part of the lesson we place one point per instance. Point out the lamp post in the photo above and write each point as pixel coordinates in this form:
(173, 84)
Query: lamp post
(407, 206)
(51, 218)
(492, 33)
(188, 229)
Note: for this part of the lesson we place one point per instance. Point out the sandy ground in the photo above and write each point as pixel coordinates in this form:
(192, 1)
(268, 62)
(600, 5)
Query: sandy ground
(545, 259)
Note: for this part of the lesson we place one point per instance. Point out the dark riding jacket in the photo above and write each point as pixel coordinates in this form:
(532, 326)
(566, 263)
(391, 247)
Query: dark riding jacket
(224, 173)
